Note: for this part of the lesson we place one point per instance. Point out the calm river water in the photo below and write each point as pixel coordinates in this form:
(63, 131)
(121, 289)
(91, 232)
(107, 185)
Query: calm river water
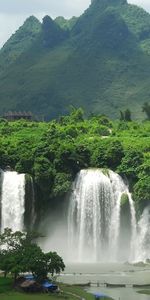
(110, 273)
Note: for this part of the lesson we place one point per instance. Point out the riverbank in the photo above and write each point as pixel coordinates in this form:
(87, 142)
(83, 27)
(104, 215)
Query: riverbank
(144, 292)
(67, 292)
(124, 280)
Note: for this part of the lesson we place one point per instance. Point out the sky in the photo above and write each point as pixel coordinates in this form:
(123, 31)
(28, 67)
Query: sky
(14, 12)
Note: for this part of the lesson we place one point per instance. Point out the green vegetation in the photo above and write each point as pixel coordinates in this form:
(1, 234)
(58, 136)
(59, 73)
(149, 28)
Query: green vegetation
(66, 24)
(124, 201)
(145, 292)
(99, 61)
(54, 152)
(20, 254)
(146, 109)
(68, 292)
(20, 42)
(6, 285)
(52, 34)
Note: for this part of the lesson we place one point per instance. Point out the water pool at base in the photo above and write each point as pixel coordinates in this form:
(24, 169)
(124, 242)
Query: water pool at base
(109, 273)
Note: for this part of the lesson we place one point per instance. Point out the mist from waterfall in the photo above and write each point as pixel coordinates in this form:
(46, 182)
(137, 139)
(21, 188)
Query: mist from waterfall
(95, 227)
(94, 217)
(12, 201)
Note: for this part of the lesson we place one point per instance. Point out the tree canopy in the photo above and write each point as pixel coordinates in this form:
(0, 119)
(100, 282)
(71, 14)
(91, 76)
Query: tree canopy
(20, 253)
(54, 152)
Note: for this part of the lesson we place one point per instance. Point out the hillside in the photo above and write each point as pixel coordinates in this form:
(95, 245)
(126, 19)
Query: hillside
(54, 152)
(19, 42)
(100, 61)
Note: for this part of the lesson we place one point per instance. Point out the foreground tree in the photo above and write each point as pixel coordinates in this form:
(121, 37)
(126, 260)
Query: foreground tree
(20, 253)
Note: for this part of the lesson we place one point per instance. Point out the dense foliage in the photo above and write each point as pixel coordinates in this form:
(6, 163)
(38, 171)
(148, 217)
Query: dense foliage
(100, 61)
(20, 254)
(20, 42)
(54, 152)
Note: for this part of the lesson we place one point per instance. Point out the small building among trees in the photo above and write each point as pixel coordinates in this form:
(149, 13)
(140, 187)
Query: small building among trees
(14, 116)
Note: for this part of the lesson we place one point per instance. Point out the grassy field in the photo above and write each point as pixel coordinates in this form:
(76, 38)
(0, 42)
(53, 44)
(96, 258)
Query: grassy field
(68, 292)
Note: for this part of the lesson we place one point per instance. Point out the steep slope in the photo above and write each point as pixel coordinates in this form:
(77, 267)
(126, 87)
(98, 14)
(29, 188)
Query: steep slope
(19, 42)
(52, 34)
(65, 23)
(103, 64)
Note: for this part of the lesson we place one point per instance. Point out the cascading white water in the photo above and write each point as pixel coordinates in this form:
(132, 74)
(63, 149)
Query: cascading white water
(12, 201)
(33, 213)
(143, 237)
(132, 255)
(94, 216)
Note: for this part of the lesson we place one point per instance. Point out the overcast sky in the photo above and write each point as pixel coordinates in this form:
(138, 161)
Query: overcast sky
(14, 12)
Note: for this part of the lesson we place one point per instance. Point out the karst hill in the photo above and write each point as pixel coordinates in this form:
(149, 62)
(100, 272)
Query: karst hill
(99, 61)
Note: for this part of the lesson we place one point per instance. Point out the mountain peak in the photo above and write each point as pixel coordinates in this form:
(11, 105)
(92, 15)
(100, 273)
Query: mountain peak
(102, 64)
(32, 20)
(20, 41)
(52, 33)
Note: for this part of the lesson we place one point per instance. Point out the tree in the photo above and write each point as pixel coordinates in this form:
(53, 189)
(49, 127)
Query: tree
(43, 173)
(142, 192)
(125, 116)
(21, 254)
(12, 253)
(45, 263)
(6, 261)
(54, 263)
(121, 115)
(76, 114)
(146, 109)
(62, 184)
(107, 154)
(130, 163)
(11, 240)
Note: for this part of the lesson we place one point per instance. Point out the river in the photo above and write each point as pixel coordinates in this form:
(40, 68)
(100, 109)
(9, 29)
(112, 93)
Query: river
(109, 273)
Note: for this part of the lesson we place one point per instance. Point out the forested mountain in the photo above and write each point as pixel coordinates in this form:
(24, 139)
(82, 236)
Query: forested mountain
(100, 61)
(19, 42)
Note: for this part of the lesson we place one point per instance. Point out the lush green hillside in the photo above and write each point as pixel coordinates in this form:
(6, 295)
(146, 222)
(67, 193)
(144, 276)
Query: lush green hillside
(100, 61)
(66, 24)
(54, 152)
(19, 42)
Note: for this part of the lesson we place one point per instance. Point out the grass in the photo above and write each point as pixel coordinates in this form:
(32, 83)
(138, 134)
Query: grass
(145, 292)
(19, 296)
(5, 285)
(68, 292)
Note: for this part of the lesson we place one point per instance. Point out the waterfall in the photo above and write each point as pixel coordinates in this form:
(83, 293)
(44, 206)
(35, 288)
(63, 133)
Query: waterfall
(143, 238)
(13, 201)
(33, 212)
(94, 216)
(134, 228)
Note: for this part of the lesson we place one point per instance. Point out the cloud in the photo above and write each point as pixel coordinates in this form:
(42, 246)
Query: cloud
(14, 12)
(54, 7)
(143, 3)
(9, 24)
